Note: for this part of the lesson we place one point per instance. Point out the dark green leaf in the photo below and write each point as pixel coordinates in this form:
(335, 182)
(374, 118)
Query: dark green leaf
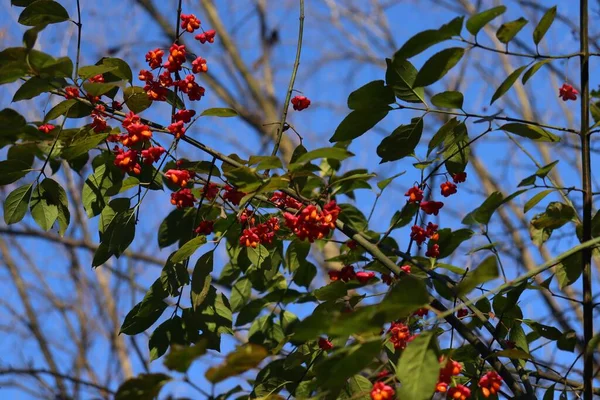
(424, 40)
(338, 367)
(16, 204)
(530, 131)
(119, 68)
(451, 99)
(418, 368)
(509, 30)
(450, 240)
(556, 215)
(405, 216)
(544, 24)
(507, 84)
(35, 86)
(402, 142)
(549, 394)
(144, 314)
(485, 272)
(143, 387)
(438, 66)
(400, 76)
(201, 278)
(357, 123)
(478, 21)
(89, 71)
(373, 95)
(42, 13)
(333, 153)
(440, 136)
(457, 149)
(82, 145)
(240, 294)
(569, 270)
(484, 212)
(122, 232)
(12, 170)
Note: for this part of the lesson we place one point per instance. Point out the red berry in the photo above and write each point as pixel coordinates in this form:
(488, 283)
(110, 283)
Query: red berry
(567, 92)
(300, 103)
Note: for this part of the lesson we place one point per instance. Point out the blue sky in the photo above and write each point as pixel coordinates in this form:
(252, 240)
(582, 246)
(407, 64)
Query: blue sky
(328, 85)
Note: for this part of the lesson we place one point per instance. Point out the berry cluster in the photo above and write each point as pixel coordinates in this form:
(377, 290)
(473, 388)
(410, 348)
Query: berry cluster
(490, 384)
(417, 232)
(381, 391)
(137, 139)
(347, 274)
(449, 369)
(400, 335)
(312, 224)
(254, 234)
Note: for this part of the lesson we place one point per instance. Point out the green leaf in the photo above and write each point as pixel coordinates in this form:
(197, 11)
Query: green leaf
(167, 333)
(457, 149)
(569, 270)
(478, 21)
(338, 367)
(373, 95)
(534, 68)
(484, 212)
(507, 84)
(382, 184)
(244, 178)
(359, 388)
(136, 99)
(509, 30)
(438, 66)
(175, 100)
(332, 291)
(237, 362)
(122, 232)
(440, 136)
(188, 249)
(400, 76)
(240, 294)
(12, 170)
(82, 145)
(43, 13)
(544, 24)
(43, 210)
(89, 71)
(143, 387)
(450, 99)
(549, 394)
(219, 112)
(16, 204)
(530, 131)
(536, 199)
(402, 142)
(21, 3)
(265, 162)
(450, 240)
(485, 272)
(296, 253)
(144, 314)
(101, 88)
(94, 189)
(418, 367)
(180, 358)
(556, 215)
(35, 86)
(119, 68)
(56, 195)
(424, 40)
(405, 216)
(545, 170)
(331, 153)
(357, 123)
(201, 278)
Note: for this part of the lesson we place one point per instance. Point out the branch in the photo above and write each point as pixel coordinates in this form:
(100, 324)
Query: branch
(39, 371)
